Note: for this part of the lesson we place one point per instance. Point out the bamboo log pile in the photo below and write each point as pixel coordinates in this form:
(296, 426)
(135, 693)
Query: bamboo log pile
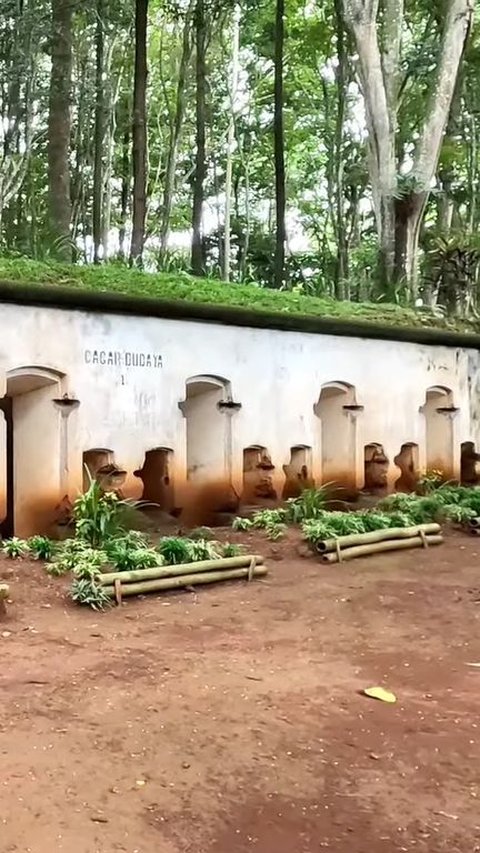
(4, 595)
(162, 578)
(378, 541)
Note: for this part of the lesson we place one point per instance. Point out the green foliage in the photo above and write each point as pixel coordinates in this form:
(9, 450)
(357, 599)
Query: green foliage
(75, 553)
(41, 548)
(429, 481)
(97, 515)
(125, 556)
(310, 504)
(174, 550)
(231, 549)
(89, 593)
(202, 549)
(15, 548)
(241, 523)
(184, 288)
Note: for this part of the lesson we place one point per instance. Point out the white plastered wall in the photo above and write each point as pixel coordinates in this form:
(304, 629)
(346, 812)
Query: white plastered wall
(130, 405)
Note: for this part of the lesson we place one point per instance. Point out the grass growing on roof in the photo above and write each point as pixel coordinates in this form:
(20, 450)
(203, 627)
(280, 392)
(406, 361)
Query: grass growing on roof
(181, 287)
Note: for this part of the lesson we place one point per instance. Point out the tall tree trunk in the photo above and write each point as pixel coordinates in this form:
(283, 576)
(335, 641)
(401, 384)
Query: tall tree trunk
(341, 271)
(230, 143)
(59, 125)
(400, 216)
(99, 134)
(180, 106)
(197, 259)
(139, 134)
(279, 148)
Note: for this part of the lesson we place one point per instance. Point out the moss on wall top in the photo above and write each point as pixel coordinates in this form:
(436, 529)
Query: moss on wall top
(210, 298)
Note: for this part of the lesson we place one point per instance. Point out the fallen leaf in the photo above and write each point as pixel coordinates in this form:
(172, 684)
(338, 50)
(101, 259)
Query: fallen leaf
(381, 694)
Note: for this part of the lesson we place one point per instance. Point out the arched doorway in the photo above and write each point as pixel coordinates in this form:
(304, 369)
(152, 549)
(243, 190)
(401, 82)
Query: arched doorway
(34, 463)
(156, 475)
(337, 411)
(439, 411)
(208, 408)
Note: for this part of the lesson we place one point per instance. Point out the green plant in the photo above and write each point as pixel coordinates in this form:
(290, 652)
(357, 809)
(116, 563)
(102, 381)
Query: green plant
(201, 549)
(275, 530)
(77, 556)
(89, 593)
(268, 517)
(41, 548)
(97, 515)
(241, 523)
(14, 548)
(231, 549)
(310, 504)
(125, 558)
(174, 550)
(429, 481)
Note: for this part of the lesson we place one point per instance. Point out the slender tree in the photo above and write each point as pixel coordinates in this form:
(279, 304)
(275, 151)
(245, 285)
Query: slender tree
(59, 127)
(197, 256)
(279, 147)
(139, 134)
(99, 132)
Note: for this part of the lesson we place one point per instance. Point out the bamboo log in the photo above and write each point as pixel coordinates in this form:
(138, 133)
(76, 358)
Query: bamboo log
(158, 572)
(159, 585)
(326, 545)
(381, 547)
(474, 522)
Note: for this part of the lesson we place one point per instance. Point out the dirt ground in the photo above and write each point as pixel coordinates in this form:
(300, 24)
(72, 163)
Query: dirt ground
(230, 720)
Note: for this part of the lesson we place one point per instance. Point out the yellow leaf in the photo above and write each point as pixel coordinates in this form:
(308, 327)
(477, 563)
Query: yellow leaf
(381, 694)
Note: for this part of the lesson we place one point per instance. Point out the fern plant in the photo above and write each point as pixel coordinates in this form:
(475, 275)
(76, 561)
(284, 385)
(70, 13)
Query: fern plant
(175, 550)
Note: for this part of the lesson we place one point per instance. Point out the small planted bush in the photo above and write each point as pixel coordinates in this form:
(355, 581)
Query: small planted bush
(310, 504)
(241, 523)
(88, 592)
(41, 548)
(174, 550)
(124, 557)
(97, 515)
(231, 549)
(15, 548)
(201, 549)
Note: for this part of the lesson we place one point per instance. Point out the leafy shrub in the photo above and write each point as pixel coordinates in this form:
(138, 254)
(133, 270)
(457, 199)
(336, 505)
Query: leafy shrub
(241, 523)
(14, 548)
(310, 504)
(231, 549)
(41, 548)
(75, 553)
(97, 515)
(174, 550)
(89, 593)
(429, 481)
(201, 549)
(126, 558)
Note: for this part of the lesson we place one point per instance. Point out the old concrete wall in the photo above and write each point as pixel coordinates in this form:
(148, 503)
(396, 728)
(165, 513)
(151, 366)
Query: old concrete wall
(129, 375)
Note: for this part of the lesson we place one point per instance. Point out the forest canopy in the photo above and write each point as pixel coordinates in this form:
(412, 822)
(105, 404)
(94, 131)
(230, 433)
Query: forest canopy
(325, 148)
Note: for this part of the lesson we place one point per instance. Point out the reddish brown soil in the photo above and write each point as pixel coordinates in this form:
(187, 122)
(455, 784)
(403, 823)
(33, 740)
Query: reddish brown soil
(230, 720)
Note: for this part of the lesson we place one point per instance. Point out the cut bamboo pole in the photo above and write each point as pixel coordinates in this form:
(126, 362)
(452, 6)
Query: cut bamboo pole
(158, 572)
(381, 547)
(474, 522)
(162, 584)
(326, 545)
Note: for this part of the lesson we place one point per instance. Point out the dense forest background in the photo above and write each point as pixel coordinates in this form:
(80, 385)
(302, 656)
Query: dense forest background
(329, 146)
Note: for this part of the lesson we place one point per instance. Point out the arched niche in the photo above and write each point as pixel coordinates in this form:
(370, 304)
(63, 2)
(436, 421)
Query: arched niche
(337, 410)
(208, 408)
(407, 461)
(99, 464)
(36, 456)
(376, 465)
(156, 475)
(258, 469)
(298, 472)
(439, 411)
(469, 464)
